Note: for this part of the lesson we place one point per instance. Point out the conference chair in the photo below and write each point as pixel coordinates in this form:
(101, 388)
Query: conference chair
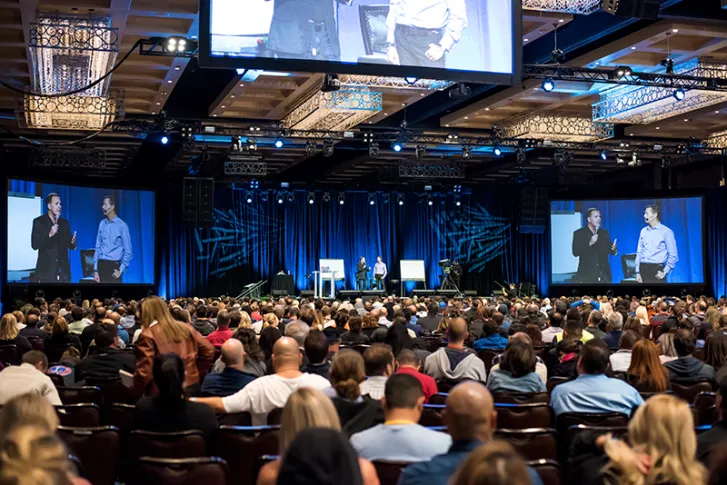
(10, 355)
(79, 415)
(574, 431)
(275, 416)
(656, 332)
(389, 471)
(555, 381)
(235, 419)
(209, 470)
(360, 348)
(438, 398)
(98, 449)
(432, 415)
(37, 343)
(79, 395)
(547, 470)
(533, 443)
(487, 356)
(523, 416)
(242, 446)
(521, 397)
(374, 30)
(689, 392)
(77, 465)
(122, 416)
(55, 353)
(565, 420)
(699, 354)
(646, 331)
(178, 444)
(261, 462)
(704, 403)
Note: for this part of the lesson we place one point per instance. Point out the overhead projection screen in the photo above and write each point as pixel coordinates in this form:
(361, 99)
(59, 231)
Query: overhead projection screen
(474, 40)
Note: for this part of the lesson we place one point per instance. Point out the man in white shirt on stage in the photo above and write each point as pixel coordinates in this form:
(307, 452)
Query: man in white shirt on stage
(380, 272)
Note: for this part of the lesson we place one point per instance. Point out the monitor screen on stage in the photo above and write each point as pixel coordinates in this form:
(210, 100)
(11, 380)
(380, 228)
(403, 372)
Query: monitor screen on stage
(69, 235)
(475, 40)
(612, 242)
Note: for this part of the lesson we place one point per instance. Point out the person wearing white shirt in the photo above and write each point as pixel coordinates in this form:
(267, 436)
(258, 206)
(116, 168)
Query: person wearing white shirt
(621, 360)
(265, 394)
(29, 377)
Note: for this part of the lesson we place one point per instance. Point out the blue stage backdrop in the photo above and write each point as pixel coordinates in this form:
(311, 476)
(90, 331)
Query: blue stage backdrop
(82, 209)
(252, 242)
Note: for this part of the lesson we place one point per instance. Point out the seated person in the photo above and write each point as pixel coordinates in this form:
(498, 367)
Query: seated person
(380, 364)
(492, 338)
(31, 329)
(517, 371)
(10, 335)
(615, 327)
(29, 377)
(717, 435)
(105, 359)
(401, 438)
(592, 391)
(170, 410)
(454, 362)
(540, 367)
(316, 349)
(621, 360)
(687, 369)
(646, 373)
(355, 336)
(409, 363)
(233, 377)
(223, 332)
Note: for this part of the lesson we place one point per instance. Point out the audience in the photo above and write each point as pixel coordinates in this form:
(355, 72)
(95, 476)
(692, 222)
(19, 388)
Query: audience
(595, 319)
(715, 354)
(355, 335)
(380, 364)
(646, 373)
(592, 391)
(454, 362)
(492, 338)
(687, 369)
(202, 323)
(10, 335)
(106, 360)
(316, 349)
(408, 363)
(495, 463)
(233, 377)
(29, 377)
(615, 325)
(517, 371)
(621, 359)
(223, 332)
(400, 438)
(717, 435)
(555, 320)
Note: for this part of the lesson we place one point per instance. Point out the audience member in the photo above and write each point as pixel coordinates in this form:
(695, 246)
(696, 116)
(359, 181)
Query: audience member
(316, 349)
(431, 321)
(492, 338)
(106, 360)
(495, 463)
(29, 409)
(592, 391)
(646, 373)
(254, 357)
(31, 329)
(555, 321)
(380, 364)
(223, 332)
(715, 354)
(202, 323)
(717, 435)
(666, 348)
(78, 321)
(595, 319)
(621, 359)
(268, 337)
(233, 377)
(10, 335)
(355, 336)
(408, 363)
(400, 438)
(687, 369)
(615, 325)
(516, 372)
(454, 362)
(29, 377)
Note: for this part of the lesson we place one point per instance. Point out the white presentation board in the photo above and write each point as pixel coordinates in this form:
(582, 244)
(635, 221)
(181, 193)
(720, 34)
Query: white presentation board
(21, 256)
(562, 252)
(335, 266)
(412, 270)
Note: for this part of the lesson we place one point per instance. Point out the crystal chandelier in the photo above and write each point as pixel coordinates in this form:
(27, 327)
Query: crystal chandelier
(580, 7)
(556, 127)
(337, 110)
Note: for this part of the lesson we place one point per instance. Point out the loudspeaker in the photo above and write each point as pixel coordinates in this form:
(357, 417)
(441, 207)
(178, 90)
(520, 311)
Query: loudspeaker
(374, 293)
(642, 9)
(350, 294)
(198, 201)
(279, 293)
(306, 294)
(533, 210)
(422, 293)
(447, 293)
(206, 202)
(189, 201)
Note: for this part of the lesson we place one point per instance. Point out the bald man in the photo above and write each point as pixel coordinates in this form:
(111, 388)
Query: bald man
(454, 362)
(471, 420)
(270, 392)
(232, 378)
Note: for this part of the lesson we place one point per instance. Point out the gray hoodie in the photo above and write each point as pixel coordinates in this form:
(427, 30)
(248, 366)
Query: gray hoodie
(455, 365)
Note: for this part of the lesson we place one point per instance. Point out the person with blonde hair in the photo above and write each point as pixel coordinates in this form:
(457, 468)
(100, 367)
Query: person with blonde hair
(34, 455)
(494, 463)
(661, 450)
(308, 408)
(28, 409)
(162, 335)
(643, 315)
(270, 320)
(10, 335)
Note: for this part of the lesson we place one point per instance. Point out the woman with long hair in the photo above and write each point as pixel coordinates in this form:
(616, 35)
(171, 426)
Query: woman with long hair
(308, 408)
(661, 450)
(267, 340)
(715, 354)
(606, 310)
(161, 334)
(60, 339)
(643, 315)
(494, 463)
(270, 320)
(397, 336)
(646, 372)
(370, 324)
(10, 335)
(170, 410)
(28, 410)
(667, 350)
(356, 413)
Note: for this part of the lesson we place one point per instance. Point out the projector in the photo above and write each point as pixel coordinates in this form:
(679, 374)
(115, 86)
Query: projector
(462, 91)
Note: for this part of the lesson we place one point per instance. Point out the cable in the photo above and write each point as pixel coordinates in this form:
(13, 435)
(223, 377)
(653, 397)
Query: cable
(75, 91)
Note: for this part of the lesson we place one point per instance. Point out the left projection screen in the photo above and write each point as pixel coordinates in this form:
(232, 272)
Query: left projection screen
(67, 234)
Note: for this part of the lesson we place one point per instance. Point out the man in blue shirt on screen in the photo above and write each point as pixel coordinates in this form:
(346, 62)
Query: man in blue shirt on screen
(113, 245)
(656, 254)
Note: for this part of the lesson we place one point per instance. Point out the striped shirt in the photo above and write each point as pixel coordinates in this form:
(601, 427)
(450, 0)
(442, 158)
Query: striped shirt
(26, 379)
(374, 387)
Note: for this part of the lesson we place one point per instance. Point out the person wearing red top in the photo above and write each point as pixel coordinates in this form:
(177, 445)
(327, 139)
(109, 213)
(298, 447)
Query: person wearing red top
(409, 363)
(223, 332)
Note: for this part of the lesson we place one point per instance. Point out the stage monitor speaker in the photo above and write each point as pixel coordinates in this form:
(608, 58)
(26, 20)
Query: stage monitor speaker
(422, 293)
(447, 293)
(306, 294)
(498, 293)
(374, 293)
(533, 210)
(350, 294)
(198, 201)
(642, 9)
(279, 293)
(470, 293)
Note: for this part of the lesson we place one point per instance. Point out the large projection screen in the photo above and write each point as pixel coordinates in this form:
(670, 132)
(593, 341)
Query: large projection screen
(463, 40)
(627, 241)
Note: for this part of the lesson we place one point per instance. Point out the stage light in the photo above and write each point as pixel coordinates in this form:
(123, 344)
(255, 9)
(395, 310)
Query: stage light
(251, 144)
(372, 199)
(327, 148)
(330, 83)
(622, 71)
(280, 199)
(457, 201)
(326, 197)
(400, 200)
(411, 80)
(341, 199)
(421, 152)
(254, 184)
(279, 143)
(397, 147)
(497, 151)
(291, 197)
(311, 198)
(248, 198)
(264, 196)
(164, 140)
(457, 189)
(548, 85)
(430, 202)
(466, 152)
(385, 198)
(604, 155)
(680, 94)
(374, 151)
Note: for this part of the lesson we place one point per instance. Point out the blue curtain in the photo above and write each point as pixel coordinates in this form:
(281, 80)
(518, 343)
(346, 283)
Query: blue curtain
(253, 241)
(717, 240)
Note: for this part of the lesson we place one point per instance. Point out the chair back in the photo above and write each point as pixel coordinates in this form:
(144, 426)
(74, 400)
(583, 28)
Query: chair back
(705, 400)
(209, 470)
(521, 397)
(699, 354)
(523, 416)
(83, 415)
(98, 449)
(235, 419)
(565, 420)
(373, 27)
(532, 444)
(547, 470)
(656, 332)
(242, 446)
(37, 343)
(78, 395)
(572, 433)
(487, 356)
(55, 353)
(432, 415)
(275, 416)
(122, 416)
(360, 348)
(389, 471)
(646, 331)
(689, 392)
(178, 444)
(438, 398)
(112, 390)
(555, 381)
(9, 355)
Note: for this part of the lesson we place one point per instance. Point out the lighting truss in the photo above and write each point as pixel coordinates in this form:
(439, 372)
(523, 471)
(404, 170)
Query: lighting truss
(579, 7)
(72, 112)
(424, 170)
(335, 110)
(245, 166)
(68, 158)
(648, 104)
(158, 46)
(555, 126)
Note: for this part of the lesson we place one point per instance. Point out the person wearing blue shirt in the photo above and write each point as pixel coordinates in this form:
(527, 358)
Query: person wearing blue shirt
(586, 301)
(113, 245)
(656, 253)
(592, 391)
(492, 338)
(471, 419)
(232, 378)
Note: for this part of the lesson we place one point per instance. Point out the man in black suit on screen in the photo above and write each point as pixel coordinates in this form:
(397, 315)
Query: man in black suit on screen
(592, 245)
(51, 237)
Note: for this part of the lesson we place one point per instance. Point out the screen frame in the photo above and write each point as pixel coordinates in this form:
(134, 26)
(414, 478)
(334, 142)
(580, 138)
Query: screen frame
(207, 60)
(704, 282)
(109, 186)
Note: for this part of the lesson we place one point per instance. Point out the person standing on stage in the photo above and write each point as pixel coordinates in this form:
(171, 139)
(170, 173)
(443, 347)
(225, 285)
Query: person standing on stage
(592, 245)
(113, 245)
(51, 237)
(361, 274)
(421, 32)
(380, 273)
(656, 254)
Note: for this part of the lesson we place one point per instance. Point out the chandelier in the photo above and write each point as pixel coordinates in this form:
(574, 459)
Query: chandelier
(648, 104)
(580, 7)
(555, 127)
(336, 111)
(69, 53)
(717, 140)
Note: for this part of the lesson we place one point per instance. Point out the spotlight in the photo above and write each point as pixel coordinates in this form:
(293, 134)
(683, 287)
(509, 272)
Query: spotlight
(680, 94)
(385, 198)
(466, 152)
(251, 144)
(330, 83)
(279, 143)
(457, 201)
(341, 199)
(462, 91)
(604, 155)
(497, 151)
(326, 197)
(421, 152)
(430, 202)
(622, 71)
(668, 63)
(457, 189)
(311, 198)
(280, 199)
(372, 199)
(175, 46)
(172, 44)
(291, 197)
(254, 184)
(164, 140)
(397, 147)
(248, 198)
(264, 196)
(411, 80)
(548, 85)
(327, 148)
(452, 136)
(400, 200)
(310, 148)
(374, 150)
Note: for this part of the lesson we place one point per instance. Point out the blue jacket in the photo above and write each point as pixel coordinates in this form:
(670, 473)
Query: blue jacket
(440, 469)
(494, 341)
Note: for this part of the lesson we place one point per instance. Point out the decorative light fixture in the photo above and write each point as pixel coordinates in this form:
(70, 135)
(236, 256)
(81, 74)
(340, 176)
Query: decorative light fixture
(555, 127)
(717, 140)
(72, 112)
(579, 7)
(335, 111)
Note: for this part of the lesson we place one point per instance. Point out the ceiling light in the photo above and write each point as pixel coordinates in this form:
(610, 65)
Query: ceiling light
(680, 94)
(497, 151)
(165, 140)
(548, 85)
(397, 147)
(279, 143)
